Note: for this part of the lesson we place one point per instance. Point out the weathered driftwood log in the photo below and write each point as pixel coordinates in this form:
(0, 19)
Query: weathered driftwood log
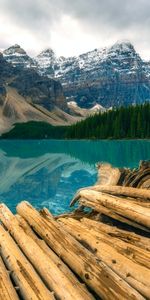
(114, 254)
(7, 291)
(132, 211)
(107, 175)
(112, 231)
(134, 253)
(106, 283)
(45, 266)
(63, 267)
(142, 194)
(96, 206)
(22, 272)
(134, 193)
(140, 178)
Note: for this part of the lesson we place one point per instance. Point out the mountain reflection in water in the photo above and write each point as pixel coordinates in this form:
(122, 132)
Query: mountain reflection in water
(48, 173)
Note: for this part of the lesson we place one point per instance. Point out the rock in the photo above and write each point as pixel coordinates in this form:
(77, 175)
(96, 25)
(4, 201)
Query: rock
(18, 57)
(110, 76)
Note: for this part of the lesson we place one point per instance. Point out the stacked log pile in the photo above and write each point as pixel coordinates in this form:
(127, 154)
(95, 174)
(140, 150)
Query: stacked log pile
(101, 250)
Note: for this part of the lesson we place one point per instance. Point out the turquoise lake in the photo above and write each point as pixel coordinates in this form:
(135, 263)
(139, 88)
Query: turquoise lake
(48, 173)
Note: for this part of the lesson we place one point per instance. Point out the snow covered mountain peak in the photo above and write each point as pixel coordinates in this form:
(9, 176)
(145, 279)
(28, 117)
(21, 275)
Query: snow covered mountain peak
(97, 108)
(123, 46)
(45, 62)
(14, 50)
(47, 52)
(109, 76)
(17, 56)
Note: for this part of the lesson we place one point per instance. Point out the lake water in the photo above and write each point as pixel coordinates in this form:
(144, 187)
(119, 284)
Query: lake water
(48, 173)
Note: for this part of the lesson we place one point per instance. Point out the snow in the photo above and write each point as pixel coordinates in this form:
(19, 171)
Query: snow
(72, 103)
(121, 58)
(97, 107)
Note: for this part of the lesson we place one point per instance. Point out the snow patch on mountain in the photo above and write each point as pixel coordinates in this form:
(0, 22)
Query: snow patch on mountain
(109, 76)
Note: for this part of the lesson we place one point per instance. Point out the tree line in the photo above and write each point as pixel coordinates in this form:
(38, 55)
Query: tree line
(124, 122)
(131, 122)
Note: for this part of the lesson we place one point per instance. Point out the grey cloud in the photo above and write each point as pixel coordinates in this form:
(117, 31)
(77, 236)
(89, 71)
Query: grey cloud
(117, 13)
(99, 16)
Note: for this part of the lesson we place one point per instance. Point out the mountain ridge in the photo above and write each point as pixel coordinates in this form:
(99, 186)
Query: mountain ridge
(26, 96)
(110, 76)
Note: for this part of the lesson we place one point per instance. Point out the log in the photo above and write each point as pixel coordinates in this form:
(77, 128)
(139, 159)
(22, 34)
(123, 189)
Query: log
(107, 175)
(145, 184)
(134, 253)
(45, 266)
(127, 236)
(95, 205)
(119, 260)
(136, 194)
(66, 271)
(130, 250)
(126, 208)
(123, 191)
(7, 291)
(139, 178)
(29, 283)
(97, 275)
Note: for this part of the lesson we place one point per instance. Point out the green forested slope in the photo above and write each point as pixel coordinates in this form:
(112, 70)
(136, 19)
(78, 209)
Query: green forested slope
(125, 122)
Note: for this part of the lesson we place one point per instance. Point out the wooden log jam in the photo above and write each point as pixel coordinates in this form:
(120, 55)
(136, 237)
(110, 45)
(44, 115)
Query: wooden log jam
(114, 254)
(7, 291)
(50, 272)
(112, 231)
(132, 211)
(97, 275)
(132, 252)
(139, 178)
(63, 267)
(29, 283)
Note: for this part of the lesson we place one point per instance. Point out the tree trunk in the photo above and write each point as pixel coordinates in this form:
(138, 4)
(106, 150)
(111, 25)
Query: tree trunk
(66, 271)
(107, 175)
(120, 259)
(127, 236)
(134, 253)
(106, 283)
(142, 194)
(7, 291)
(126, 208)
(45, 266)
(96, 206)
(22, 272)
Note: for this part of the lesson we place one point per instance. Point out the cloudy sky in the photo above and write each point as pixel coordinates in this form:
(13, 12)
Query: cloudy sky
(72, 27)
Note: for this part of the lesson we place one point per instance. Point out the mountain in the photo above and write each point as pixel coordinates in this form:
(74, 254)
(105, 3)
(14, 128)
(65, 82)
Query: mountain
(16, 55)
(111, 76)
(45, 62)
(25, 96)
(75, 110)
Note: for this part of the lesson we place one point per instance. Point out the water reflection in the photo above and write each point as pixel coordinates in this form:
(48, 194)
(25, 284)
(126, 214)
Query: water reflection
(47, 173)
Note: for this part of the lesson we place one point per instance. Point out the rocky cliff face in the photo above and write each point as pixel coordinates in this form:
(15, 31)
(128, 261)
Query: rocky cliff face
(110, 76)
(29, 84)
(16, 55)
(25, 96)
